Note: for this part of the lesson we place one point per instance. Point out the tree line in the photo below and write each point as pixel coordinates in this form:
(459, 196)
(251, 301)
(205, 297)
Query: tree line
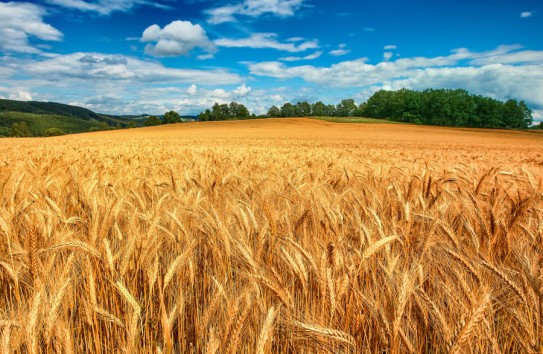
(170, 117)
(457, 108)
(444, 107)
(224, 111)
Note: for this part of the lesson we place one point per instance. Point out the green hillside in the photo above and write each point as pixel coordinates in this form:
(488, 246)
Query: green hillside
(48, 108)
(37, 117)
(38, 123)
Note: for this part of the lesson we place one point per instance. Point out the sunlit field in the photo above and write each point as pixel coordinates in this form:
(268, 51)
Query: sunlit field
(273, 236)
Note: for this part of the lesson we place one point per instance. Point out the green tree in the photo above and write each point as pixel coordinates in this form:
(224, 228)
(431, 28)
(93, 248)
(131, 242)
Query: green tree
(204, 116)
(516, 114)
(346, 108)
(224, 110)
(274, 112)
(132, 124)
(302, 109)
(238, 110)
(318, 109)
(172, 117)
(216, 113)
(359, 111)
(287, 110)
(151, 121)
(379, 105)
(331, 110)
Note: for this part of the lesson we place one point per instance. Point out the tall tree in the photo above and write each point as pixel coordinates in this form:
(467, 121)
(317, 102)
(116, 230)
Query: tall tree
(302, 109)
(287, 110)
(318, 109)
(346, 108)
(172, 117)
(274, 112)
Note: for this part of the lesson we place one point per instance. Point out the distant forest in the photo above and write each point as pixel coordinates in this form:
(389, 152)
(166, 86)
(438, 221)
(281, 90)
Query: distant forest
(444, 107)
(26, 119)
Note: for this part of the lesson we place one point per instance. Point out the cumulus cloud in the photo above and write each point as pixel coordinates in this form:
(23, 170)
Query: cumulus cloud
(390, 47)
(340, 51)
(267, 40)
(176, 38)
(526, 14)
(254, 8)
(106, 7)
(501, 73)
(241, 91)
(21, 21)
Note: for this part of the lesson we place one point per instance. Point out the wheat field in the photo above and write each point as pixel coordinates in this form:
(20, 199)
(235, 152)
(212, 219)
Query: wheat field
(273, 236)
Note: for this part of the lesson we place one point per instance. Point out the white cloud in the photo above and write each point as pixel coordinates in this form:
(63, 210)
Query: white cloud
(277, 98)
(390, 47)
(340, 51)
(526, 14)
(176, 38)
(519, 57)
(205, 56)
(387, 55)
(241, 91)
(107, 68)
(313, 56)
(267, 40)
(106, 7)
(21, 95)
(18, 22)
(192, 90)
(486, 75)
(508, 54)
(116, 84)
(254, 8)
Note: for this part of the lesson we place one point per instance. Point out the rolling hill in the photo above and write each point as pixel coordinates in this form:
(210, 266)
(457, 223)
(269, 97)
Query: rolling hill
(40, 116)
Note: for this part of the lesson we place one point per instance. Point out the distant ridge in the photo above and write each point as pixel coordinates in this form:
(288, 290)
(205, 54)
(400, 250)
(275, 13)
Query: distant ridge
(53, 108)
(40, 116)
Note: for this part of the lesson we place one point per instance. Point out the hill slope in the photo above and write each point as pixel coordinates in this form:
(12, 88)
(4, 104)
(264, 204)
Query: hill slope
(48, 108)
(40, 116)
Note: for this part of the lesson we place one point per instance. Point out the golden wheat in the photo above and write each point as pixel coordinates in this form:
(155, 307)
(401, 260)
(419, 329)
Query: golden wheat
(273, 236)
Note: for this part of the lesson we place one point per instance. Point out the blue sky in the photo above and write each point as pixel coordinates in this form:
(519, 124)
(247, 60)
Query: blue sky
(140, 56)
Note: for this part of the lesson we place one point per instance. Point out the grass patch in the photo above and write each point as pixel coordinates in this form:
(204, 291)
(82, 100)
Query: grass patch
(355, 120)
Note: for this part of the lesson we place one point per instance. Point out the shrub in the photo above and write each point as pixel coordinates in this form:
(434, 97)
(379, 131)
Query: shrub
(53, 132)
